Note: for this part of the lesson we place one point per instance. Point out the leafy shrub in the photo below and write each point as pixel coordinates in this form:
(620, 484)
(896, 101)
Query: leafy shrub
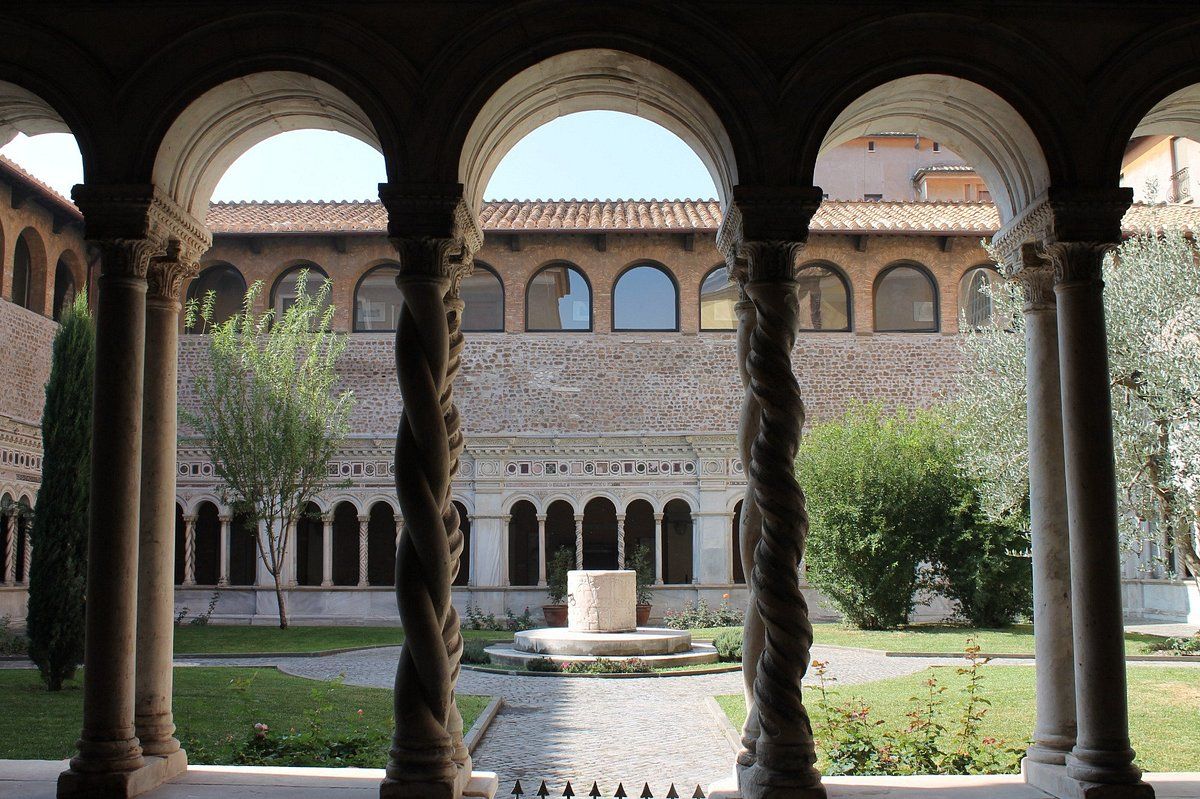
(476, 619)
(599, 666)
(560, 563)
(929, 742)
(728, 644)
(1179, 645)
(887, 494)
(11, 642)
(473, 652)
(541, 664)
(700, 616)
(643, 568)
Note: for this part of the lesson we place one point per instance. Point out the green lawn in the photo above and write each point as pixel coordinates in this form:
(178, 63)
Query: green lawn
(1017, 639)
(219, 639)
(213, 707)
(1164, 708)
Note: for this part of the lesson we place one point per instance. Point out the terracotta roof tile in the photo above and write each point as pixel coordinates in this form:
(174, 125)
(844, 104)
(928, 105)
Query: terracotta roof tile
(49, 195)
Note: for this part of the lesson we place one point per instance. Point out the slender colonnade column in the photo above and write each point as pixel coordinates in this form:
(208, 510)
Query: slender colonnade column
(658, 545)
(189, 550)
(1054, 733)
(27, 557)
(578, 540)
(327, 550)
(363, 528)
(620, 540)
(223, 573)
(428, 758)
(10, 537)
(541, 520)
(156, 554)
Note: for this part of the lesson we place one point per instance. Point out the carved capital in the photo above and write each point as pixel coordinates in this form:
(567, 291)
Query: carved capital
(168, 271)
(433, 229)
(125, 258)
(1078, 261)
(1037, 284)
(763, 229)
(1063, 215)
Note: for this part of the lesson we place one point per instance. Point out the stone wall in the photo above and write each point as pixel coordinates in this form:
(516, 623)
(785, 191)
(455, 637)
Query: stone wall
(22, 393)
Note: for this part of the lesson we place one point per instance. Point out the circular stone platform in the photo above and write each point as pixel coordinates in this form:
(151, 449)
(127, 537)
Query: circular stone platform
(638, 643)
(505, 655)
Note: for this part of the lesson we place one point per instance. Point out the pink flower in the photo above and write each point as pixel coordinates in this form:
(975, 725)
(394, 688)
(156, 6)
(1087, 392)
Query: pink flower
(261, 727)
(360, 711)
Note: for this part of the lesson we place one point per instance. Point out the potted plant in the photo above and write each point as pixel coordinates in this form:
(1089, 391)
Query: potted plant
(560, 563)
(643, 569)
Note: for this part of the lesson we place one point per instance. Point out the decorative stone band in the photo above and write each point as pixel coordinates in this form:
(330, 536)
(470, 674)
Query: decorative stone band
(1063, 215)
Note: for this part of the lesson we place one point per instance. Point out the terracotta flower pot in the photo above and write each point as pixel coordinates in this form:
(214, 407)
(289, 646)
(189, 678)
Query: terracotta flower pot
(643, 615)
(555, 615)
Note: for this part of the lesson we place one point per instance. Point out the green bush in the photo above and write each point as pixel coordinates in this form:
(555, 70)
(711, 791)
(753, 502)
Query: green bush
(892, 511)
(476, 619)
(701, 616)
(473, 651)
(1179, 645)
(643, 569)
(728, 644)
(11, 643)
(629, 666)
(58, 574)
(560, 563)
(541, 664)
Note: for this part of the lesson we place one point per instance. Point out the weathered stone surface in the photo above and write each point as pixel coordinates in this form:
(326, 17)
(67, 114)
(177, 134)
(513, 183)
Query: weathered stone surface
(601, 601)
(638, 643)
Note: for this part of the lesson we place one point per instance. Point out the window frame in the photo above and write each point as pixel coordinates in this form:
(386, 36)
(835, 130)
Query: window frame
(700, 304)
(591, 327)
(841, 275)
(503, 299)
(969, 272)
(311, 266)
(937, 300)
(613, 303)
(354, 328)
(192, 293)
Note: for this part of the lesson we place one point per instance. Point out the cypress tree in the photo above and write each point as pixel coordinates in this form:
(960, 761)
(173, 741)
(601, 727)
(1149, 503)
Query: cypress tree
(58, 573)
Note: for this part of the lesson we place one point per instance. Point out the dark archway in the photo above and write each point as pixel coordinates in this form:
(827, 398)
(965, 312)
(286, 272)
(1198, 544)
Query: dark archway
(560, 528)
(677, 543)
(180, 545)
(600, 534)
(345, 544)
(243, 550)
(523, 544)
(464, 560)
(381, 545)
(309, 552)
(639, 529)
(208, 544)
(64, 292)
(739, 571)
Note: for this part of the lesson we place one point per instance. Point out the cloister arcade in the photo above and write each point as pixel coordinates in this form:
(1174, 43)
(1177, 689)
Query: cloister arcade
(162, 100)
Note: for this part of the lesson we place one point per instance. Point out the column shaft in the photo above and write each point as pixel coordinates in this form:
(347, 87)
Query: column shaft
(363, 522)
(658, 546)
(327, 551)
(27, 559)
(1102, 752)
(10, 537)
(1054, 734)
(156, 552)
(541, 520)
(620, 541)
(189, 550)
(108, 742)
(223, 575)
(578, 541)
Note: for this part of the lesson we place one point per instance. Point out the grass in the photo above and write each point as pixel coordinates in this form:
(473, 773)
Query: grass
(221, 639)
(950, 638)
(1164, 721)
(214, 707)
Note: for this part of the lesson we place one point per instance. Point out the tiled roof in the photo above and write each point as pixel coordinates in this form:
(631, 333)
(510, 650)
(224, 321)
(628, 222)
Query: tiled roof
(13, 171)
(942, 169)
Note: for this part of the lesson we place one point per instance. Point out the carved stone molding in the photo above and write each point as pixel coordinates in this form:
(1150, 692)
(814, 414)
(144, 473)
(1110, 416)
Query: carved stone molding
(1037, 284)
(1063, 215)
(1078, 261)
(140, 212)
(432, 228)
(168, 271)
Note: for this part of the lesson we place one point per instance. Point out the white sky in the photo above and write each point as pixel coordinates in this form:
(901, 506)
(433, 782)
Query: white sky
(589, 155)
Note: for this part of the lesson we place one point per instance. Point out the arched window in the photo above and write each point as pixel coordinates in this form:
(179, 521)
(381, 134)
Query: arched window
(464, 558)
(645, 298)
(678, 566)
(976, 308)
(377, 301)
(64, 288)
(906, 301)
(309, 550)
(283, 294)
(718, 298)
(523, 544)
(824, 298)
(180, 545)
(558, 298)
(483, 301)
(22, 273)
(381, 545)
(227, 286)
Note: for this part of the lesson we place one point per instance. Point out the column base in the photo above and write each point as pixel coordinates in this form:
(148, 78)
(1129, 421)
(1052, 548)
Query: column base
(122, 784)
(1055, 781)
(748, 783)
(478, 785)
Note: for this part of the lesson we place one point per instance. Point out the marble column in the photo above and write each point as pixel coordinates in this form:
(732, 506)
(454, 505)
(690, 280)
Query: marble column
(288, 542)
(223, 573)
(27, 558)
(108, 746)
(189, 550)
(541, 520)
(620, 540)
(156, 550)
(578, 540)
(1054, 733)
(327, 550)
(363, 523)
(10, 537)
(658, 548)
(1102, 753)
(435, 234)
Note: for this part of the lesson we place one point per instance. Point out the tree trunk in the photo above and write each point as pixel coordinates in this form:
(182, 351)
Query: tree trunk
(283, 622)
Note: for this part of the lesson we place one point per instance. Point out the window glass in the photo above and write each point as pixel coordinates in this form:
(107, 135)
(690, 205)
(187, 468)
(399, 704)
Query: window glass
(22, 265)
(824, 301)
(905, 301)
(976, 308)
(718, 297)
(286, 286)
(377, 300)
(558, 298)
(483, 301)
(228, 287)
(645, 299)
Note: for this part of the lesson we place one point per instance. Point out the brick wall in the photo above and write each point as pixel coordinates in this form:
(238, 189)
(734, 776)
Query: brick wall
(27, 340)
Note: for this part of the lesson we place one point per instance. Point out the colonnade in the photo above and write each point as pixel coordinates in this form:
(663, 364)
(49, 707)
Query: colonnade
(18, 547)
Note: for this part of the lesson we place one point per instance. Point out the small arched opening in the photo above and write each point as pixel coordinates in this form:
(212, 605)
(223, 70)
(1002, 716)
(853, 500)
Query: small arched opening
(523, 564)
(678, 564)
(599, 534)
(463, 577)
(345, 544)
(310, 530)
(381, 545)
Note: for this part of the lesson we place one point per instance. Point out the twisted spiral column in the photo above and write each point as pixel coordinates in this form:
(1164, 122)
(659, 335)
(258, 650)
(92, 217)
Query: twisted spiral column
(784, 750)
(10, 534)
(189, 550)
(364, 529)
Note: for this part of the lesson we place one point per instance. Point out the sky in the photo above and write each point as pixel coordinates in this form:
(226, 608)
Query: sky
(588, 155)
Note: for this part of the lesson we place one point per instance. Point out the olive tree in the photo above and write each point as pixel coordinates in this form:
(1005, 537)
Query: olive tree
(268, 408)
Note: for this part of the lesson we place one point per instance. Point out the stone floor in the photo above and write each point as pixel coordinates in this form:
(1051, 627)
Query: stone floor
(35, 779)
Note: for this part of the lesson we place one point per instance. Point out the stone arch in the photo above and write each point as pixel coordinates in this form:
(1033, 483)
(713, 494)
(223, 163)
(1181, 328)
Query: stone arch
(542, 320)
(928, 322)
(593, 80)
(640, 526)
(738, 572)
(717, 297)
(522, 542)
(243, 550)
(560, 526)
(207, 532)
(377, 299)
(483, 290)
(972, 305)
(600, 532)
(68, 280)
(228, 285)
(29, 271)
(511, 500)
(285, 279)
(968, 118)
(219, 125)
(309, 544)
(464, 575)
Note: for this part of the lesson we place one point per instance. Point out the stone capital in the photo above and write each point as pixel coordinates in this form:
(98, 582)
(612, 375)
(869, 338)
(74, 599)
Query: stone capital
(168, 271)
(1063, 214)
(763, 229)
(434, 231)
(1078, 261)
